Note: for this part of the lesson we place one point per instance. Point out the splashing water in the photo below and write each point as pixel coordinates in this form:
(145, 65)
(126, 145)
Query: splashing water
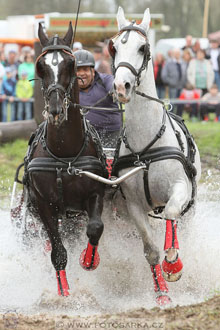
(123, 280)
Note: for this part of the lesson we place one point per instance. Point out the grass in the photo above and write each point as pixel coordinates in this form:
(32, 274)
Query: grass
(207, 137)
(11, 155)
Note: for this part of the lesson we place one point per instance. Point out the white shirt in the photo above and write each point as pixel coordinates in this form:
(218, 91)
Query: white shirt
(214, 55)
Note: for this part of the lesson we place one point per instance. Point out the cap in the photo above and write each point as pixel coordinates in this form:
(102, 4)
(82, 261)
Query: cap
(84, 58)
(77, 45)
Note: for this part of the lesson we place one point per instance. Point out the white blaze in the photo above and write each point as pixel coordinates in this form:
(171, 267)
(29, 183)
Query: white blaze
(54, 68)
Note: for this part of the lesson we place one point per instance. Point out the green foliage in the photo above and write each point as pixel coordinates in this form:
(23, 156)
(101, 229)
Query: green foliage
(207, 137)
(11, 155)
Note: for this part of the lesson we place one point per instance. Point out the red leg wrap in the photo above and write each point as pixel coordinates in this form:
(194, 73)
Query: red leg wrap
(89, 258)
(159, 282)
(171, 235)
(109, 162)
(160, 286)
(62, 283)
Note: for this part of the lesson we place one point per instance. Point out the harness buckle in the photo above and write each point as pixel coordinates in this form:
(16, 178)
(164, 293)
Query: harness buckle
(78, 171)
(138, 162)
(147, 164)
(167, 105)
(71, 169)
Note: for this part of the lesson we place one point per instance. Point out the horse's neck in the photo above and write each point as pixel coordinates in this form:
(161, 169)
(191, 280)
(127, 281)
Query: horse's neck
(67, 139)
(143, 117)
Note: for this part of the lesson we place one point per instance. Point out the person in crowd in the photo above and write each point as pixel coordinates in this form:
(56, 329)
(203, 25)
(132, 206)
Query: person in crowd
(105, 53)
(8, 94)
(27, 66)
(77, 46)
(186, 58)
(170, 54)
(24, 91)
(189, 43)
(210, 103)
(94, 87)
(2, 57)
(101, 65)
(2, 73)
(26, 50)
(196, 47)
(12, 62)
(158, 64)
(189, 93)
(200, 73)
(172, 74)
(213, 53)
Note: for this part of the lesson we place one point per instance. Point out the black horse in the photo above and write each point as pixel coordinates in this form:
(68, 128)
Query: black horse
(64, 143)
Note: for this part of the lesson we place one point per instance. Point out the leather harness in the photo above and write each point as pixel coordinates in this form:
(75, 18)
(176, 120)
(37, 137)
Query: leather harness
(151, 155)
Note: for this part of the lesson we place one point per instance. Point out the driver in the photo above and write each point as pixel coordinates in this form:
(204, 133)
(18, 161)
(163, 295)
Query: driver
(93, 87)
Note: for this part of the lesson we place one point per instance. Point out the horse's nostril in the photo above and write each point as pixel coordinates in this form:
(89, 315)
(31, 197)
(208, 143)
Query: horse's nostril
(127, 85)
(114, 87)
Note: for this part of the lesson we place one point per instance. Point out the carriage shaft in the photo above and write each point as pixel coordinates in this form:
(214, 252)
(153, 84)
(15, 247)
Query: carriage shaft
(113, 181)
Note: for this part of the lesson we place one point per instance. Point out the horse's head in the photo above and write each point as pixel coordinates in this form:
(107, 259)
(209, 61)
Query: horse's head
(130, 52)
(56, 68)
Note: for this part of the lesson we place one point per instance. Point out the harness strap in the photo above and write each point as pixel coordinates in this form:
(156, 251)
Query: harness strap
(146, 185)
(129, 66)
(155, 155)
(150, 144)
(62, 160)
(46, 164)
(60, 190)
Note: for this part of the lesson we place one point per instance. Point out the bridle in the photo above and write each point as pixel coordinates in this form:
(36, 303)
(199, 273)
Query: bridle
(146, 58)
(55, 87)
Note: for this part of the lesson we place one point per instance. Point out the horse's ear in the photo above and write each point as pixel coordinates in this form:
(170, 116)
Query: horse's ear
(68, 39)
(122, 21)
(146, 20)
(42, 36)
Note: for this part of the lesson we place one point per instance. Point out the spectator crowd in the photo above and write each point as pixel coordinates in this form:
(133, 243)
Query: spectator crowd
(189, 74)
(16, 87)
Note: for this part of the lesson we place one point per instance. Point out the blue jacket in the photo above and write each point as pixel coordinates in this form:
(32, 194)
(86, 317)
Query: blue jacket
(101, 119)
(8, 86)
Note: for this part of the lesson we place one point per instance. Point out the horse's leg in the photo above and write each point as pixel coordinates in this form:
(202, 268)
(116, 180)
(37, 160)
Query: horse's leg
(89, 259)
(58, 253)
(151, 252)
(172, 264)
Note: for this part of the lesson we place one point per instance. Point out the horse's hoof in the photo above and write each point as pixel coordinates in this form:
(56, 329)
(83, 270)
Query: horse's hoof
(172, 271)
(89, 258)
(63, 286)
(163, 300)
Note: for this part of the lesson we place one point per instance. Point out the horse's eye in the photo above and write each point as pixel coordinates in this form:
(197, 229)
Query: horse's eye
(141, 49)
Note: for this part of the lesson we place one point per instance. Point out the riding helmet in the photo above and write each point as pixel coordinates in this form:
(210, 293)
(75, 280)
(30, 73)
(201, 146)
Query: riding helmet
(84, 58)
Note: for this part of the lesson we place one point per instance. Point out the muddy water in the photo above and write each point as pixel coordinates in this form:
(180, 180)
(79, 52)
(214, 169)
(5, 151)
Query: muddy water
(123, 280)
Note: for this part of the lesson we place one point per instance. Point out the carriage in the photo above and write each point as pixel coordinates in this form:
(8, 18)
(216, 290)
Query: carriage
(156, 162)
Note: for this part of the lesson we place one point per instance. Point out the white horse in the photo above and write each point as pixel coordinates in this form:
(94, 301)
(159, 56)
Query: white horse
(154, 138)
